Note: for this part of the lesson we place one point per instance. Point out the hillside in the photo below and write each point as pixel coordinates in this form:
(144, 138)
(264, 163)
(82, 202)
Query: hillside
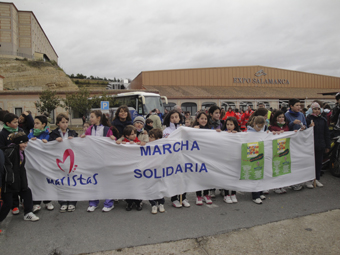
(34, 75)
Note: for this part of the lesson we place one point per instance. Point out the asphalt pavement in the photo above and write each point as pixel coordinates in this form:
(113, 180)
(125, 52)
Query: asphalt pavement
(82, 232)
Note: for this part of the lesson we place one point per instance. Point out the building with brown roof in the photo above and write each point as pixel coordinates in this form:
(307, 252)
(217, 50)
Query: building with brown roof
(22, 35)
(236, 87)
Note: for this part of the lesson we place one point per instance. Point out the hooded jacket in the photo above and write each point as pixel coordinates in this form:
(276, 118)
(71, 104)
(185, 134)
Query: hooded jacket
(14, 177)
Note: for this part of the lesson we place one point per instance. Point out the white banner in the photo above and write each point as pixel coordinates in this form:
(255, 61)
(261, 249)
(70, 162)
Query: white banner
(188, 160)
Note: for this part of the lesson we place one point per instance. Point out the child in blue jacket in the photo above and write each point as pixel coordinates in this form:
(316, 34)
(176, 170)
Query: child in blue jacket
(40, 131)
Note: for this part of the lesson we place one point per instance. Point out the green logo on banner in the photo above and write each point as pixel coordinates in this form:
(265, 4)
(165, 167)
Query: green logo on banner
(252, 161)
(281, 157)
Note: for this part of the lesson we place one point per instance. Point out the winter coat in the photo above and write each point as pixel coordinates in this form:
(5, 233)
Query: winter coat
(335, 117)
(57, 133)
(121, 125)
(43, 135)
(291, 118)
(4, 135)
(147, 128)
(156, 121)
(321, 132)
(229, 114)
(14, 177)
(99, 131)
(168, 130)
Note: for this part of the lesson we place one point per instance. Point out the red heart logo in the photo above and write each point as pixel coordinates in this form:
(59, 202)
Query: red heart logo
(67, 153)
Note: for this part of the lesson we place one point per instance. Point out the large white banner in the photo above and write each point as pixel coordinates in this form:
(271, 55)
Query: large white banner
(188, 160)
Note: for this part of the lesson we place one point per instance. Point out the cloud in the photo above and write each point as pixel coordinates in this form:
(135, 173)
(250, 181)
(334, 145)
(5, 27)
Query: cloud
(122, 38)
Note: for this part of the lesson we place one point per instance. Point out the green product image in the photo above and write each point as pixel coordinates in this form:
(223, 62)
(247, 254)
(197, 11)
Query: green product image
(252, 161)
(281, 157)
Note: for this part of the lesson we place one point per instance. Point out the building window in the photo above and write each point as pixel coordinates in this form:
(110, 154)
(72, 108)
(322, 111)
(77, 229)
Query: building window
(266, 104)
(191, 107)
(226, 105)
(169, 106)
(18, 111)
(283, 103)
(244, 105)
(207, 105)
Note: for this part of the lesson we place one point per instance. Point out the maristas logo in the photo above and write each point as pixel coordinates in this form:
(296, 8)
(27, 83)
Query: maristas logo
(67, 153)
(67, 165)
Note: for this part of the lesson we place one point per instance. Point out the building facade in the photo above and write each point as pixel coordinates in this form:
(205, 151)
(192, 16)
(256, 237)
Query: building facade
(236, 87)
(22, 35)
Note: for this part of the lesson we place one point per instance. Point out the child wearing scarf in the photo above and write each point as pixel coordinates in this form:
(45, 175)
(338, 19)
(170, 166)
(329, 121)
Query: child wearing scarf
(41, 132)
(322, 141)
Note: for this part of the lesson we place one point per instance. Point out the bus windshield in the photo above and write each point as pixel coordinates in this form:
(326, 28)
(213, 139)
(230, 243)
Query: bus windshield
(153, 102)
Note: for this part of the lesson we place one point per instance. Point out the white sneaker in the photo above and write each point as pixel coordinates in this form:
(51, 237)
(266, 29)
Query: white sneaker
(185, 203)
(71, 208)
(257, 201)
(36, 208)
(91, 208)
(297, 187)
(207, 200)
(265, 192)
(199, 200)
(233, 198)
(63, 208)
(31, 216)
(227, 199)
(278, 191)
(310, 185)
(318, 184)
(283, 190)
(176, 204)
(212, 193)
(107, 209)
(154, 209)
(49, 206)
(161, 208)
(262, 197)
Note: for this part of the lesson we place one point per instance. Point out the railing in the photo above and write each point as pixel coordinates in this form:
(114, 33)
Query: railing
(13, 53)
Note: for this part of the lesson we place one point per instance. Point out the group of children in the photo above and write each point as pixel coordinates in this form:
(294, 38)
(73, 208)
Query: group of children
(123, 130)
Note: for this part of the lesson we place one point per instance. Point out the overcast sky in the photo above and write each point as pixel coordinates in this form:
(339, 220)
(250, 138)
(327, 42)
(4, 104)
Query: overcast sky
(121, 38)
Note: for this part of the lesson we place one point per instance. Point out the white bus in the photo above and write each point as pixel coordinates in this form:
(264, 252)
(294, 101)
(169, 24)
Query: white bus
(139, 103)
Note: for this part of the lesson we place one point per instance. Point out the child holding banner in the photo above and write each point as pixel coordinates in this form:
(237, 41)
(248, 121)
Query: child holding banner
(257, 124)
(296, 121)
(217, 124)
(322, 143)
(99, 127)
(40, 131)
(58, 134)
(155, 134)
(231, 126)
(201, 121)
(171, 121)
(122, 119)
(278, 124)
(130, 136)
(14, 180)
